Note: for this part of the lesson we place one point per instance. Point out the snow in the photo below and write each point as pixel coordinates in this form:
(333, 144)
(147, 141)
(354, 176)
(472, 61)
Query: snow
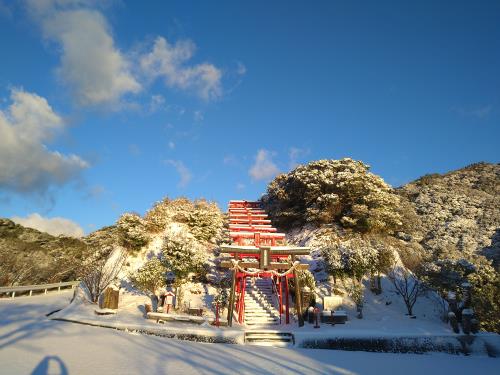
(31, 343)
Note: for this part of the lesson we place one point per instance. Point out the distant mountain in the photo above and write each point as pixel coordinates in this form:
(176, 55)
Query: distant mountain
(459, 209)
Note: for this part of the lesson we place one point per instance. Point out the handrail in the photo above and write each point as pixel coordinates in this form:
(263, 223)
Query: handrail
(31, 288)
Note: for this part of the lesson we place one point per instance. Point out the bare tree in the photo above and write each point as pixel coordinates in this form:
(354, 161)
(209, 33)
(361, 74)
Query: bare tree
(14, 269)
(100, 270)
(407, 285)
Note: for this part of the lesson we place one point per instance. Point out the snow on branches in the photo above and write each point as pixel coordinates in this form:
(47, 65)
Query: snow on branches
(334, 191)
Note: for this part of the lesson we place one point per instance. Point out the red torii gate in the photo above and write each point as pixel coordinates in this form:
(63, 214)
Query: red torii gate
(256, 240)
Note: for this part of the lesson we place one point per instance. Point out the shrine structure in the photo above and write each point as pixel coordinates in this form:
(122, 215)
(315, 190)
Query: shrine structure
(257, 251)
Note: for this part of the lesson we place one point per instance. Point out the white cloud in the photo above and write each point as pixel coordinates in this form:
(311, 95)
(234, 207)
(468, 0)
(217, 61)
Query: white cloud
(26, 164)
(230, 160)
(171, 145)
(198, 116)
(479, 112)
(241, 69)
(170, 62)
(55, 226)
(91, 65)
(295, 154)
(184, 173)
(157, 102)
(99, 73)
(264, 168)
(240, 186)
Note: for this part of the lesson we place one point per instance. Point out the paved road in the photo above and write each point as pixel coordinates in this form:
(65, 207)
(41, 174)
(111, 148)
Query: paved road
(32, 344)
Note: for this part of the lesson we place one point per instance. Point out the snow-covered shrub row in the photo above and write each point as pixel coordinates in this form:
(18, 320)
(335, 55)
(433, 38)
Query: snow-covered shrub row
(334, 191)
(451, 345)
(204, 219)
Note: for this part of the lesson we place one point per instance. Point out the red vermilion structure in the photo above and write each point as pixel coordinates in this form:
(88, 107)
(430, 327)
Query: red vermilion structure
(257, 250)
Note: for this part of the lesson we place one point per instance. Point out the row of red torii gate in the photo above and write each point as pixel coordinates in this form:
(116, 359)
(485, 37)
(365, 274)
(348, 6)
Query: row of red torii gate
(258, 251)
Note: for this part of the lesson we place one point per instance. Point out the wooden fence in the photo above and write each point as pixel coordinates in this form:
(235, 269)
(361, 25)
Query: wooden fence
(12, 290)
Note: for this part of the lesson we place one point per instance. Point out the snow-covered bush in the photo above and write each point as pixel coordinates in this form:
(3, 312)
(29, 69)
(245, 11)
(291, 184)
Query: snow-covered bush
(221, 299)
(358, 258)
(354, 258)
(451, 268)
(356, 292)
(150, 277)
(334, 191)
(167, 211)
(182, 254)
(306, 279)
(132, 229)
(332, 261)
(204, 219)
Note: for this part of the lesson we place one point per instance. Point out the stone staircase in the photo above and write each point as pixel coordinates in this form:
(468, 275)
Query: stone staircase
(259, 307)
(269, 338)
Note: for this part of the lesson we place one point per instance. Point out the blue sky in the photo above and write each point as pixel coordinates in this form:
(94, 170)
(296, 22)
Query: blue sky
(107, 107)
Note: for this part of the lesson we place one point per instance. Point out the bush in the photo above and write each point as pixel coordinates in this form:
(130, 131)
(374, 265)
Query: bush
(204, 219)
(306, 279)
(221, 298)
(205, 222)
(132, 231)
(450, 268)
(182, 254)
(334, 191)
(150, 277)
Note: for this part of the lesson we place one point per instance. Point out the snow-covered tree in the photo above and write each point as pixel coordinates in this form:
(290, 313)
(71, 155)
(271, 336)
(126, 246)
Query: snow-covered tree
(132, 230)
(204, 219)
(354, 257)
(332, 261)
(450, 268)
(182, 254)
(358, 258)
(334, 191)
(150, 277)
(357, 294)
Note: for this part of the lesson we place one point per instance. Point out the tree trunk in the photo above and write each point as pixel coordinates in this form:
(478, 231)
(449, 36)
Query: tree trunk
(379, 284)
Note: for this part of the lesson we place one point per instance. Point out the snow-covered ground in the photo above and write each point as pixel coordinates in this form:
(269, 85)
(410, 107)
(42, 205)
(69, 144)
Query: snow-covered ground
(31, 343)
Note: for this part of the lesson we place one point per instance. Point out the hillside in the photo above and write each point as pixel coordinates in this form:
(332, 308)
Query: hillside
(458, 209)
(28, 256)
(438, 227)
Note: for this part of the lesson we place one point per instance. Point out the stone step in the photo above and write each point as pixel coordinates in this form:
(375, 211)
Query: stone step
(260, 315)
(261, 322)
(260, 308)
(269, 338)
